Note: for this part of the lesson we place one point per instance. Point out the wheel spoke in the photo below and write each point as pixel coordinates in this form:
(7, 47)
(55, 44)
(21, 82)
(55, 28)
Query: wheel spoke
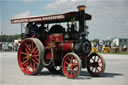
(98, 59)
(66, 63)
(36, 51)
(100, 66)
(100, 62)
(35, 61)
(32, 45)
(69, 60)
(65, 68)
(73, 71)
(94, 58)
(24, 57)
(97, 70)
(34, 48)
(34, 66)
(92, 69)
(76, 67)
(26, 50)
(74, 64)
(31, 66)
(27, 46)
(23, 53)
(24, 62)
(35, 55)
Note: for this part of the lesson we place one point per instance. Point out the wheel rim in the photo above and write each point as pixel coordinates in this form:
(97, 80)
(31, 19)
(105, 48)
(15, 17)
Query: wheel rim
(48, 53)
(28, 57)
(96, 65)
(71, 66)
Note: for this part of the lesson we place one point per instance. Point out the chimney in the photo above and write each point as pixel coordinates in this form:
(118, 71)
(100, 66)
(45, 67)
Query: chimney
(81, 15)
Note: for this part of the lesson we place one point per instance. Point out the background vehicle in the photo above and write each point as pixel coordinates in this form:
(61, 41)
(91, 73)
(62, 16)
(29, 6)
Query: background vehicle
(58, 49)
(106, 49)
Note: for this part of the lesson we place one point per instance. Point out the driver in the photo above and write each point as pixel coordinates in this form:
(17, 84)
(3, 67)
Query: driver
(30, 29)
(27, 30)
(42, 32)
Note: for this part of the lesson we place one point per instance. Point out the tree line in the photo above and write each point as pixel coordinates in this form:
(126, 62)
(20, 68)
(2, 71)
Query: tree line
(9, 38)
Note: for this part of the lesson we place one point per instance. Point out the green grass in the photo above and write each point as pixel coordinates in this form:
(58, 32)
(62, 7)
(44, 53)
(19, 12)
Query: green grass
(123, 53)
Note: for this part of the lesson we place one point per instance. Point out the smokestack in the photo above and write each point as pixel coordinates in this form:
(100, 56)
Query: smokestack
(81, 10)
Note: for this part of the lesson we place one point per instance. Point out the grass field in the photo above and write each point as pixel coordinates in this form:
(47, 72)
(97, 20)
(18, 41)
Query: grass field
(123, 53)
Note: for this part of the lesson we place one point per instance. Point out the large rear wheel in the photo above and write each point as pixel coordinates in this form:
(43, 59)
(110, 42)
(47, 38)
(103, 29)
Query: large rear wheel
(30, 55)
(95, 64)
(71, 65)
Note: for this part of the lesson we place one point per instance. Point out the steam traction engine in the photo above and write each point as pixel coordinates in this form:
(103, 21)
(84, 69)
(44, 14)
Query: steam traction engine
(59, 50)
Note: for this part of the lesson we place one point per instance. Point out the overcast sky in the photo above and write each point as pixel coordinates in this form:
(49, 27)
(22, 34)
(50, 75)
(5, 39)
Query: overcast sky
(109, 17)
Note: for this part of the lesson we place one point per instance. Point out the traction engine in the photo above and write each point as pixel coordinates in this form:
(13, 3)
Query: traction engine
(59, 50)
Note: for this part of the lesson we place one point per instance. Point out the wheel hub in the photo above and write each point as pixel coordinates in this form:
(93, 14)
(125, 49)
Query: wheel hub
(29, 56)
(95, 64)
(70, 66)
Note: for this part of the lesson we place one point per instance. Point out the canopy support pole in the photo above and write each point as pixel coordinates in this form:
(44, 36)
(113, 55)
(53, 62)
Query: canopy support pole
(21, 30)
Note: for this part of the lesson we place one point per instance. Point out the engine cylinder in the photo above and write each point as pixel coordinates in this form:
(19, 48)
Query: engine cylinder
(82, 47)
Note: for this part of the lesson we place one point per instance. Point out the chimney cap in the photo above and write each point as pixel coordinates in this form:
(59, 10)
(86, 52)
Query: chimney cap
(81, 7)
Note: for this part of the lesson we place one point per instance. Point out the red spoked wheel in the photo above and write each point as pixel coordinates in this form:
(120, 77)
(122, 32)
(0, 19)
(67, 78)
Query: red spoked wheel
(30, 55)
(71, 65)
(95, 64)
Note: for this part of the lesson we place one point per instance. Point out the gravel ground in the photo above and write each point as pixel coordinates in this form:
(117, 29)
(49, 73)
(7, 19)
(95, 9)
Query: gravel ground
(116, 73)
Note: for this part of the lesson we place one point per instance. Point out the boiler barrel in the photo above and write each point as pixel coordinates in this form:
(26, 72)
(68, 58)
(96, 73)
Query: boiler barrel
(67, 46)
(81, 47)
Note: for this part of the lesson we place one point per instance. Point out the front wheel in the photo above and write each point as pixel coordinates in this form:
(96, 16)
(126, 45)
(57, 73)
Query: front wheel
(95, 64)
(71, 65)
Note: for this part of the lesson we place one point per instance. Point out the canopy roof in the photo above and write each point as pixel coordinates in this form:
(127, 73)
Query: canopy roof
(66, 17)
